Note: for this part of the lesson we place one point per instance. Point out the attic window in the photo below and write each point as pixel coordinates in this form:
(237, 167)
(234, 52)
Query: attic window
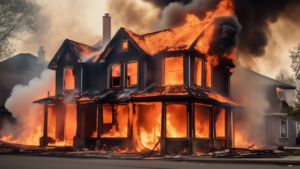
(125, 45)
(116, 75)
(173, 70)
(69, 79)
(131, 74)
(198, 71)
(208, 75)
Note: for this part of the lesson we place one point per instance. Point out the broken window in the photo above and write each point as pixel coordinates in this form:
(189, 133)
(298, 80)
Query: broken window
(120, 125)
(202, 121)
(176, 121)
(131, 74)
(125, 45)
(69, 79)
(220, 122)
(116, 75)
(198, 72)
(283, 128)
(107, 114)
(173, 70)
(208, 75)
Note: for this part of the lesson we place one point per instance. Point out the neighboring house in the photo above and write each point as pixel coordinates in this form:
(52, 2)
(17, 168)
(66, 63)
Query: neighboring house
(138, 87)
(19, 69)
(280, 129)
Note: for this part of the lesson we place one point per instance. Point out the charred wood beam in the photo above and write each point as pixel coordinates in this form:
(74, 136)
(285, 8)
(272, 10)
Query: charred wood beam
(163, 129)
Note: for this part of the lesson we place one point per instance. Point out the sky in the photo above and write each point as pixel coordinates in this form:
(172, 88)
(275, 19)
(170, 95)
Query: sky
(81, 21)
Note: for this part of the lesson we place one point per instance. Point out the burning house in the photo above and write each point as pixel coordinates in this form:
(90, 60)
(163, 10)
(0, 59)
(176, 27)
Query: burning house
(165, 90)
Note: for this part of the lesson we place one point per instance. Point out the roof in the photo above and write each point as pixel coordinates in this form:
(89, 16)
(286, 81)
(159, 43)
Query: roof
(274, 82)
(83, 52)
(175, 39)
(153, 92)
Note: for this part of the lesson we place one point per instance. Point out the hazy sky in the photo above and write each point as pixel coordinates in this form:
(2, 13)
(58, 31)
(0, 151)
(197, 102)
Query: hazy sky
(81, 20)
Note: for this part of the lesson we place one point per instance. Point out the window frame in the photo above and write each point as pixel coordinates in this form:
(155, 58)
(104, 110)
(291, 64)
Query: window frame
(110, 84)
(225, 123)
(211, 67)
(125, 73)
(280, 93)
(164, 69)
(64, 74)
(124, 50)
(210, 119)
(202, 72)
(286, 127)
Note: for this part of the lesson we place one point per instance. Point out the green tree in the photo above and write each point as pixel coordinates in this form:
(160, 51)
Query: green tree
(294, 111)
(17, 18)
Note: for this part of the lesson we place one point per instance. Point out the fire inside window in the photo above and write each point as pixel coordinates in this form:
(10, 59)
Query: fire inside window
(202, 121)
(173, 73)
(131, 74)
(125, 45)
(208, 75)
(107, 115)
(220, 122)
(69, 79)
(176, 121)
(116, 75)
(198, 72)
(280, 93)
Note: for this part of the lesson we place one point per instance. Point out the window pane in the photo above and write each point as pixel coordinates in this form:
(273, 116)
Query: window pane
(116, 73)
(220, 122)
(131, 74)
(176, 121)
(70, 123)
(202, 120)
(125, 45)
(283, 128)
(208, 74)
(69, 79)
(173, 70)
(198, 72)
(107, 114)
(51, 122)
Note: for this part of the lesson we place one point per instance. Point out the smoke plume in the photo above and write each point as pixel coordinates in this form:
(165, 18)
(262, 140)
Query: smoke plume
(29, 116)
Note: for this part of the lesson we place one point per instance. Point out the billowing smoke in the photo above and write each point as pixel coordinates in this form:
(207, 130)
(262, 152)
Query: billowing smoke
(29, 126)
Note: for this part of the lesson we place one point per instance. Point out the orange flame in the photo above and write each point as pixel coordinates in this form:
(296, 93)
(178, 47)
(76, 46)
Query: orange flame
(176, 121)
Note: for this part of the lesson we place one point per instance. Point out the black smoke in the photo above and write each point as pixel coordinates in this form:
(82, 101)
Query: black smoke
(254, 16)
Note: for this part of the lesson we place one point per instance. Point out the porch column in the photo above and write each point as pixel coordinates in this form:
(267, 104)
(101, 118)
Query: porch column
(212, 126)
(230, 128)
(191, 128)
(77, 141)
(163, 129)
(43, 139)
(100, 122)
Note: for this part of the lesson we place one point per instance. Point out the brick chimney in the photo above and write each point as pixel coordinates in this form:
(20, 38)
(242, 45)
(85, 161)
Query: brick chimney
(106, 28)
(41, 56)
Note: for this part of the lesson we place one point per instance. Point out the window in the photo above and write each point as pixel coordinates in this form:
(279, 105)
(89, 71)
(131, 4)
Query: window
(176, 121)
(283, 128)
(280, 93)
(202, 121)
(131, 73)
(173, 70)
(220, 122)
(198, 72)
(69, 79)
(116, 75)
(107, 114)
(125, 45)
(208, 75)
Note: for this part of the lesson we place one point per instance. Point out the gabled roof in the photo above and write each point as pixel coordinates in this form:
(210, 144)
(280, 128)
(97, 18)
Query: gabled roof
(83, 52)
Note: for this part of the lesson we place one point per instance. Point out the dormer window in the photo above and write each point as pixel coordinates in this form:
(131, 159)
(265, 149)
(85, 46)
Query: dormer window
(125, 45)
(131, 73)
(116, 75)
(208, 75)
(69, 79)
(198, 71)
(173, 70)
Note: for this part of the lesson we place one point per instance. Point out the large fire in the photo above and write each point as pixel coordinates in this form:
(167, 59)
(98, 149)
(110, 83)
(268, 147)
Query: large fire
(202, 119)
(176, 121)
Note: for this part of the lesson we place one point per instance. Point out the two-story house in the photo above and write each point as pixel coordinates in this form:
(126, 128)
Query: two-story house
(139, 91)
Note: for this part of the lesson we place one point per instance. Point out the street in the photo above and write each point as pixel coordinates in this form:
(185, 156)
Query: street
(38, 162)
